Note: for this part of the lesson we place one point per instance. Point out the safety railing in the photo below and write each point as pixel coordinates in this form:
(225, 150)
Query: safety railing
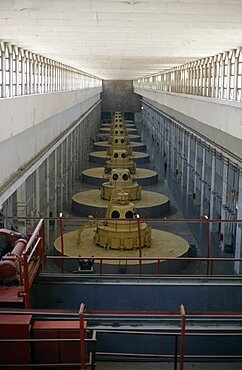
(33, 258)
(208, 262)
(207, 257)
(224, 325)
(87, 356)
(180, 352)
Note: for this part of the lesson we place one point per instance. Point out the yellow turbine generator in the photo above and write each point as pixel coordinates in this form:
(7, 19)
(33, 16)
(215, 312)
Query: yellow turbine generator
(119, 142)
(122, 179)
(120, 131)
(120, 159)
(118, 122)
(118, 115)
(122, 234)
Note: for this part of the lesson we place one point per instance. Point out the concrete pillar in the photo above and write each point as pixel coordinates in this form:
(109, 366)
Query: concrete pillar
(73, 148)
(56, 210)
(213, 176)
(8, 212)
(67, 170)
(213, 82)
(224, 201)
(10, 50)
(236, 72)
(37, 191)
(61, 176)
(47, 192)
(182, 158)
(195, 169)
(173, 147)
(208, 86)
(228, 78)
(238, 227)
(177, 149)
(21, 207)
(30, 73)
(3, 69)
(77, 153)
(203, 180)
(217, 79)
(164, 137)
(27, 68)
(221, 93)
(23, 61)
(188, 162)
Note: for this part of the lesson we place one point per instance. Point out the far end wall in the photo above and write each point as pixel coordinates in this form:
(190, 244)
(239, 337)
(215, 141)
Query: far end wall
(119, 95)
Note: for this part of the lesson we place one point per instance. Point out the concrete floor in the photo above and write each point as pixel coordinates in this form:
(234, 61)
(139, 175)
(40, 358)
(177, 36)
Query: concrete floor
(166, 366)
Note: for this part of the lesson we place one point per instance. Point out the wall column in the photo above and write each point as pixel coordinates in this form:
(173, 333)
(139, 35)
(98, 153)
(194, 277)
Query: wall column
(47, 191)
(195, 170)
(37, 191)
(224, 202)
(56, 183)
(61, 176)
(213, 173)
(67, 170)
(21, 206)
(238, 228)
(188, 162)
(203, 180)
(182, 157)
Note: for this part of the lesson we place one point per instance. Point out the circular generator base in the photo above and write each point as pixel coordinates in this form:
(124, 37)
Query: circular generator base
(90, 202)
(100, 157)
(108, 125)
(103, 145)
(96, 176)
(104, 136)
(163, 244)
(107, 130)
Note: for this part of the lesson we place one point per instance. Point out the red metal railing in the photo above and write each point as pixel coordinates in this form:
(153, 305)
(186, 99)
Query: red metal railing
(34, 254)
(82, 337)
(205, 221)
(33, 258)
(181, 334)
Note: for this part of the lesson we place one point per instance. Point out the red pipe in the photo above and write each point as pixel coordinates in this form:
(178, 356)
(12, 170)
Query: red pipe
(10, 235)
(8, 267)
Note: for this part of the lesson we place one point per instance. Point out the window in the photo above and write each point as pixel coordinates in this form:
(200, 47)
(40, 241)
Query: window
(218, 76)
(22, 72)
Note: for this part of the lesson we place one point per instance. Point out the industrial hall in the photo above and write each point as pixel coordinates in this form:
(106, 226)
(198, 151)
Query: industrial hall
(121, 184)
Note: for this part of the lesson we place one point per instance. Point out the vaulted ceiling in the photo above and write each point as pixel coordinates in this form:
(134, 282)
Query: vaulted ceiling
(122, 39)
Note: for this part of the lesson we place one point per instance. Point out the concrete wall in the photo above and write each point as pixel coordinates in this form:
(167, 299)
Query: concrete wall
(119, 96)
(30, 123)
(218, 120)
(137, 296)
